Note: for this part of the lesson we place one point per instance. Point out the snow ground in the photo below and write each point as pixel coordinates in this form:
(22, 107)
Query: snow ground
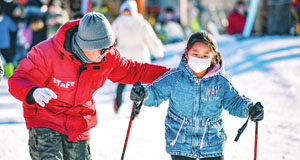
(265, 69)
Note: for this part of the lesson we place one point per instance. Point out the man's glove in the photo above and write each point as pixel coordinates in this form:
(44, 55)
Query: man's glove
(256, 112)
(43, 95)
(137, 93)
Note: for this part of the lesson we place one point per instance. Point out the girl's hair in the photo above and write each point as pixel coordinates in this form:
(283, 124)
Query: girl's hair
(205, 37)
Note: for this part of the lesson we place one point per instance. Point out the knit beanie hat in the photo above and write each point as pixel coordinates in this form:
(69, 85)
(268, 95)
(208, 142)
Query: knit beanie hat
(94, 32)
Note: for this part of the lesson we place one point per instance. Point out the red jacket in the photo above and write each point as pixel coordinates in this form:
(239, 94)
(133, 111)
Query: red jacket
(50, 65)
(236, 23)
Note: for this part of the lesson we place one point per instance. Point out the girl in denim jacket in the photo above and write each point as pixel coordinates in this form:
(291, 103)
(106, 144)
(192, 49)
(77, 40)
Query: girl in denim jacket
(197, 91)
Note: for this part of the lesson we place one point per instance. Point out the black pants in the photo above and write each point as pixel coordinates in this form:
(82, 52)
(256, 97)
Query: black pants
(188, 158)
(120, 90)
(7, 54)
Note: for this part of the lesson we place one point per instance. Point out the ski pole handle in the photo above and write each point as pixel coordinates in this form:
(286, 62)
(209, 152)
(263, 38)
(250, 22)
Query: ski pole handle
(137, 109)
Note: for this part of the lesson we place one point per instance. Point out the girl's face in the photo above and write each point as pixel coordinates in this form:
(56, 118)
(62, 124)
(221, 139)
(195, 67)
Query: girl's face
(199, 50)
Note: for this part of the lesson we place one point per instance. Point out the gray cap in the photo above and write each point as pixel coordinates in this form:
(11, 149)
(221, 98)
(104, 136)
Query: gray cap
(94, 32)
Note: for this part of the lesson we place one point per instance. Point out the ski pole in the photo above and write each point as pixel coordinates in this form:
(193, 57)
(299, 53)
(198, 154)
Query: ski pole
(256, 137)
(135, 111)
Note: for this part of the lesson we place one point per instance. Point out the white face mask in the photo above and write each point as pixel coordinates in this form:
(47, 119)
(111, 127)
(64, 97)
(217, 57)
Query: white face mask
(198, 64)
(169, 16)
(127, 19)
(241, 10)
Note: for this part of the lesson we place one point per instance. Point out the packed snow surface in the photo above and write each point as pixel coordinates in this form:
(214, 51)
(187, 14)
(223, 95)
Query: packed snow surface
(265, 69)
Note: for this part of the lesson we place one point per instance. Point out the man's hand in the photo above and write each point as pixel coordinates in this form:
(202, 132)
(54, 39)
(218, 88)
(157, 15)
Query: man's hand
(137, 93)
(43, 96)
(256, 112)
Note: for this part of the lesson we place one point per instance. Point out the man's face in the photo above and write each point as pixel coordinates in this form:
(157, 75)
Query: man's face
(95, 55)
(126, 13)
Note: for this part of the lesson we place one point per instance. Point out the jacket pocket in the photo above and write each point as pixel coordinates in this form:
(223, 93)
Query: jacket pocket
(45, 114)
(29, 110)
(216, 133)
(175, 128)
(81, 122)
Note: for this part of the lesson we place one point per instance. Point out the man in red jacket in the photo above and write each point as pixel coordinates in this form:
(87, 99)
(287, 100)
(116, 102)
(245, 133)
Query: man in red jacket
(57, 80)
(237, 19)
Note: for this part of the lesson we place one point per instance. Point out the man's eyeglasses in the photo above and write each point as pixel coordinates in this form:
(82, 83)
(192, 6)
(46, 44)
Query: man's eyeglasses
(103, 51)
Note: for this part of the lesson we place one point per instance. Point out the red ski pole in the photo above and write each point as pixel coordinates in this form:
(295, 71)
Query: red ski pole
(135, 111)
(127, 135)
(256, 136)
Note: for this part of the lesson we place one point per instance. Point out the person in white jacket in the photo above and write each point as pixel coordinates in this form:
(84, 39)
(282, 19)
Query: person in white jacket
(135, 39)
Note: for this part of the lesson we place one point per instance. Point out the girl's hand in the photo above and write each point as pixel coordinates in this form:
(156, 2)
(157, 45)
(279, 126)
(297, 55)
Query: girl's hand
(137, 93)
(256, 113)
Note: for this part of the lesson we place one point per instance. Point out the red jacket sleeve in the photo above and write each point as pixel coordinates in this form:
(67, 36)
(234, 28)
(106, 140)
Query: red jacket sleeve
(31, 72)
(129, 72)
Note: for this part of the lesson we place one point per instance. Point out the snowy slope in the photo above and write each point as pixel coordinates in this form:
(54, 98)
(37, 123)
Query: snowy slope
(265, 69)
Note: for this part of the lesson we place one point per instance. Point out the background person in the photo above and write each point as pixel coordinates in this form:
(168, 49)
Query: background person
(55, 17)
(135, 39)
(237, 18)
(168, 27)
(7, 26)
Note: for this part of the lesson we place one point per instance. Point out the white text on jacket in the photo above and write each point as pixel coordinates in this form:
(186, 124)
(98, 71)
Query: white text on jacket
(63, 84)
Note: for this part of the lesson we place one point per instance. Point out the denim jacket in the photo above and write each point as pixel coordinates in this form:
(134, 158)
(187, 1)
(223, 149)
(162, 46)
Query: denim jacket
(194, 126)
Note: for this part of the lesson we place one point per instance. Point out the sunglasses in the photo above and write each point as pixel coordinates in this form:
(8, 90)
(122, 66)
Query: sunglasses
(105, 49)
